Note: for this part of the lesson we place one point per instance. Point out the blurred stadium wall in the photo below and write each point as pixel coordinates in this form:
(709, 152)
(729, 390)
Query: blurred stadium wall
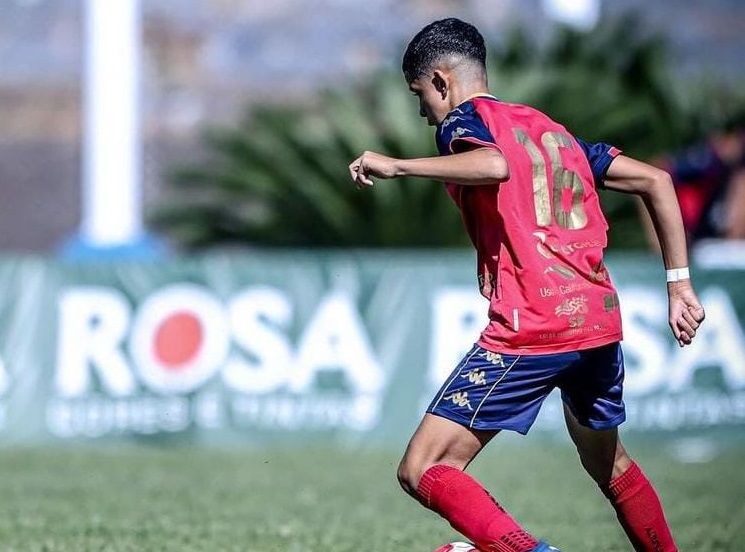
(293, 347)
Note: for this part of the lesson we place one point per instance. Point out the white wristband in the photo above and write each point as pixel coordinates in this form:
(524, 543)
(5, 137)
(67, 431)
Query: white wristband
(677, 274)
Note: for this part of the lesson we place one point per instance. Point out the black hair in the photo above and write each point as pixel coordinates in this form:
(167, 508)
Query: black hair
(446, 37)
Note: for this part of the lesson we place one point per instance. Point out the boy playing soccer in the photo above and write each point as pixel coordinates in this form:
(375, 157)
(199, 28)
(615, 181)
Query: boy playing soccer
(526, 189)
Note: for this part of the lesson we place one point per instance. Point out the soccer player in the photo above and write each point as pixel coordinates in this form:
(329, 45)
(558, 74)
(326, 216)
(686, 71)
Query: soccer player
(709, 179)
(527, 191)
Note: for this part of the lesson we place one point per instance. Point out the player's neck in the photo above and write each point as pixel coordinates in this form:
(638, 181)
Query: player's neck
(478, 94)
(462, 92)
(459, 99)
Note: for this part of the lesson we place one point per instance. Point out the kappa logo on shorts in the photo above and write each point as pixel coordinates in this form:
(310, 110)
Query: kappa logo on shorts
(460, 398)
(475, 376)
(494, 358)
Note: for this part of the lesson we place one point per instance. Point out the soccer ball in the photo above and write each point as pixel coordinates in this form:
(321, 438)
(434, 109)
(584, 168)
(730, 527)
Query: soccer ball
(457, 547)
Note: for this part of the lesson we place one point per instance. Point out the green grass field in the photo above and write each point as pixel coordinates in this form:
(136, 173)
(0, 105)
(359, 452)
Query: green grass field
(316, 500)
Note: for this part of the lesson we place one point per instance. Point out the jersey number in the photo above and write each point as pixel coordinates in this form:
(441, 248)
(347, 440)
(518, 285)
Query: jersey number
(563, 178)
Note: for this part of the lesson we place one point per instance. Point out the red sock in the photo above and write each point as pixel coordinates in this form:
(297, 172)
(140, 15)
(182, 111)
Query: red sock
(640, 512)
(470, 509)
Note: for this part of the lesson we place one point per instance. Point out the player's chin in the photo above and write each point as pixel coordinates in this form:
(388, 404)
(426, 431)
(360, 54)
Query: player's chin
(431, 119)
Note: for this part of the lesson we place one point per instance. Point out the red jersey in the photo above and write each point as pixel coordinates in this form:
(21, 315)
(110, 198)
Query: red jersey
(540, 235)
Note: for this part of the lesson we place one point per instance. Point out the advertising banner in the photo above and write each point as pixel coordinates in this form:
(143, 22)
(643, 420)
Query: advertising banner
(293, 346)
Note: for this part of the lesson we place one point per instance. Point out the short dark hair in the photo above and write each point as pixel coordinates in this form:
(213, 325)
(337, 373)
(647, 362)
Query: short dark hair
(439, 39)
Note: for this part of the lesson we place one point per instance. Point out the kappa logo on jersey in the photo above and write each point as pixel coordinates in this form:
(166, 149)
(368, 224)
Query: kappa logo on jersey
(475, 376)
(452, 119)
(460, 398)
(458, 132)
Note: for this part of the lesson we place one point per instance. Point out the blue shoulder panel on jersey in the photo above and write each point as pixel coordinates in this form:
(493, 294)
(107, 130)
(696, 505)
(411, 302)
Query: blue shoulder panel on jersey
(462, 123)
(599, 156)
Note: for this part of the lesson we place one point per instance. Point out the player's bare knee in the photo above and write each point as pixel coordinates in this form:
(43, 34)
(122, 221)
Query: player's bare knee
(604, 465)
(408, 477)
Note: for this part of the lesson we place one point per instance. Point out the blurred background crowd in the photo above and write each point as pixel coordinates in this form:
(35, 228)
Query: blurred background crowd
(243, 104)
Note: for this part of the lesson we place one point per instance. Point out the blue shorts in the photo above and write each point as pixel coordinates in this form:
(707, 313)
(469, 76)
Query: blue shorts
(492, 391)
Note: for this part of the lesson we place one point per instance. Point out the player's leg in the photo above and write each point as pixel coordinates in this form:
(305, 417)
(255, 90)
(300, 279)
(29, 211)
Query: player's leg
(438, 441)
(593, 409)
(600, 451)
(486, 393)
(631, 494)
(432, 472)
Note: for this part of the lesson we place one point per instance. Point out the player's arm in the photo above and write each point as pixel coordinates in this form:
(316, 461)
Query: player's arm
(475, 167)
(655, 187)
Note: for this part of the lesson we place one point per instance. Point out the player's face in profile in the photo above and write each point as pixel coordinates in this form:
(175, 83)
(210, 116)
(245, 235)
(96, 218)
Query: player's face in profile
(432, 105)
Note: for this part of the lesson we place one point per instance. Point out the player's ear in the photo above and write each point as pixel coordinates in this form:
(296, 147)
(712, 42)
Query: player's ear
(440, 82)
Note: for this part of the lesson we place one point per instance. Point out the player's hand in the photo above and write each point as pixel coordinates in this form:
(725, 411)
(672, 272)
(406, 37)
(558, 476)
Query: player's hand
(685, 311)
(371, 164)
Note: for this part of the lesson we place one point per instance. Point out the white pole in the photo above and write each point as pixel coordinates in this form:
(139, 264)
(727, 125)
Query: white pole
(112, 143)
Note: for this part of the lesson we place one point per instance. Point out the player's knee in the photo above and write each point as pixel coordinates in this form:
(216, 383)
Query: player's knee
(605, 465)
(408, 477)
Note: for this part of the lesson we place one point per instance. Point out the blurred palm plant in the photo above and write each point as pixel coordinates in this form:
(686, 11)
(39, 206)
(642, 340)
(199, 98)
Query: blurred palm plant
(280, 178)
